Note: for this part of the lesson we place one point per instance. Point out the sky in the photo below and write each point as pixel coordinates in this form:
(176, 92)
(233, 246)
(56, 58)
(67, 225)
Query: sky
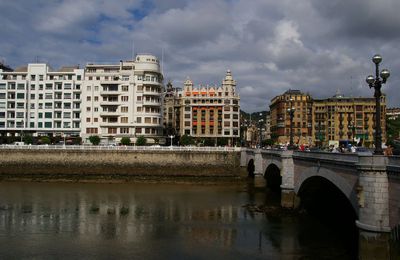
(318, 47)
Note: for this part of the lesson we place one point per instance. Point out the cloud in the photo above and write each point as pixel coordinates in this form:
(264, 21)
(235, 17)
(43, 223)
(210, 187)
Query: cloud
(270, 46)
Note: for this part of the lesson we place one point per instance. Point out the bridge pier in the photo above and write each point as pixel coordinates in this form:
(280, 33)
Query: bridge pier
(373, 200)
(289, 198)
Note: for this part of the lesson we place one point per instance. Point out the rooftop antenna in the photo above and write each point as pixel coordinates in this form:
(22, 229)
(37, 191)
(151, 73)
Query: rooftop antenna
(133, 50)
(162, 61)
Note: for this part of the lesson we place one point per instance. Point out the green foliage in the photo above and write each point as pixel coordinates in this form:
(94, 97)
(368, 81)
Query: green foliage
(268, 142)
(209, 142)
(392, 129)
(186, 140)
(125, 140)
(223, 141)
(28, 139)
(141, 141)
(94, 139)
(274, 137)
(45, 140)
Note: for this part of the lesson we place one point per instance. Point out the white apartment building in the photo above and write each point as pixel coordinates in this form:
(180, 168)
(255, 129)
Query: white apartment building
(35, 99)
(123, 100)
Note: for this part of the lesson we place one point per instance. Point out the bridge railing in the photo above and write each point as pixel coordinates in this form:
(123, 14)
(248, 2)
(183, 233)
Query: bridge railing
(343, 157)
(121, 148)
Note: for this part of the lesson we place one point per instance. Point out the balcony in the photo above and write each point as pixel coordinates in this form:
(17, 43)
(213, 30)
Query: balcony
(110, 103)
(151, 103)
(110, 93)
(110, 113)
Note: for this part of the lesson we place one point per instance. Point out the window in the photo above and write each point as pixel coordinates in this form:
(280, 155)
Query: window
(91, 130)
(112, 130)
(95, 119)
(96, 98)
(124, 88)
(139, 120)
(20, 95)
(124, 109)
(47, 125)
(124, 130)
(48, 115)
(67, 114)
(88, 119)
(124, 119)
(139, 98)
(88, 98)
(88, 88)
(124, 98)
(88, 109)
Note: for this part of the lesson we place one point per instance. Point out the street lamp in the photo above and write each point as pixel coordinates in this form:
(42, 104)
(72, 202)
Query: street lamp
(291, 116)
(22, 129)
(376, 83)
(172, 137)
(260, 124)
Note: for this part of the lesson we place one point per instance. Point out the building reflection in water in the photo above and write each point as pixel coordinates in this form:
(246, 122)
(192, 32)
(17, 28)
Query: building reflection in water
(182, 220)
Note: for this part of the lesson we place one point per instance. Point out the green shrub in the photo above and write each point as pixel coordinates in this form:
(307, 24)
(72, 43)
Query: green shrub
(94, 139)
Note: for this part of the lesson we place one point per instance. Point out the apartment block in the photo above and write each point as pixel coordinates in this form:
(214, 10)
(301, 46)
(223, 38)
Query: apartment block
(210, 112)
(280, 105)
(326, 121)
(38, 100)
(341, 118)
(123, 100)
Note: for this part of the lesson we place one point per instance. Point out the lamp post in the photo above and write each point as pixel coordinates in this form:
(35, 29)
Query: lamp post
(260, 122)
(291, 116)
(22, 129)
(172, 137)
(376, 83)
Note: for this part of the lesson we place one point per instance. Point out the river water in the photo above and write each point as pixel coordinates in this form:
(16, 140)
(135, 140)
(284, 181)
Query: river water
(156, 221)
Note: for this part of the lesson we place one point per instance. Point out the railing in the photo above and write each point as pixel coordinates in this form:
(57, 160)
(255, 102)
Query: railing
(120, 148)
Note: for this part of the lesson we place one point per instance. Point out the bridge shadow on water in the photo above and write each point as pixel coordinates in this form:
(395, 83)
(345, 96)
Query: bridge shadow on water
(326, 204)
(323, 211)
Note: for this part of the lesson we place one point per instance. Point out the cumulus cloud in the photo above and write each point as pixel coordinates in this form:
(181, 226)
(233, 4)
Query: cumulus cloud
(316, 46)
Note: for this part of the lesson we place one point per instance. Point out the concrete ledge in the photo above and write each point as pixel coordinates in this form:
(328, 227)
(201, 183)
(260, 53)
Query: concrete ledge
(372, 228)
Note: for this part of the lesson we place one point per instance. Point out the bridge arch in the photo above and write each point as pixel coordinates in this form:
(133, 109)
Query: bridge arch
(328, 198)
(336, 180)
(273, 177)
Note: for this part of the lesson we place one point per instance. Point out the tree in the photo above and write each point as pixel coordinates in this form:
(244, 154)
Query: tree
(44, 140)
(186, 140)
(268, 142)
(28, 139)
(141, 141)
(223, 141)
(125, 140)
(94, 139)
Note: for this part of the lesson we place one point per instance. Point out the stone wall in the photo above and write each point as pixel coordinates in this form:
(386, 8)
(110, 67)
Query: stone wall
(114, 164)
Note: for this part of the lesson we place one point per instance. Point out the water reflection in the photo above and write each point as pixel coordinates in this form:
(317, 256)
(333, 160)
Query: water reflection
(145, 220)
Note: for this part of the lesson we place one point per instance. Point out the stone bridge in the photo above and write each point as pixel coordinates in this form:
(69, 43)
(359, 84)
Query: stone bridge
(370, 183)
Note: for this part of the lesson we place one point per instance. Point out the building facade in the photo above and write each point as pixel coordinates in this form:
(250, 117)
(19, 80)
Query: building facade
(301, 103)
(325, 122)
(349, 119)
(38, 101)
(205, 112)
(172, 108)
(123, 100)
